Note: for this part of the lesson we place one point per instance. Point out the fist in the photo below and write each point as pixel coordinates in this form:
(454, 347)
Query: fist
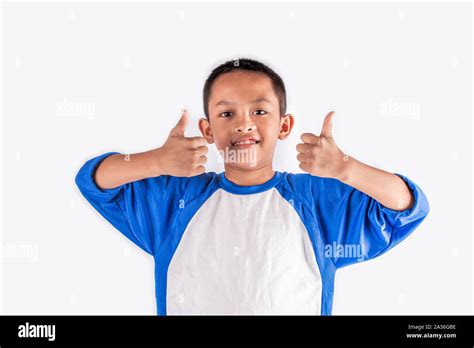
(319, 155)
(182, 156)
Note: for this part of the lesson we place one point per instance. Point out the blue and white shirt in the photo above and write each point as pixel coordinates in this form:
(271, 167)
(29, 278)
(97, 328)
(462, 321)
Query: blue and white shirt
(221, 248)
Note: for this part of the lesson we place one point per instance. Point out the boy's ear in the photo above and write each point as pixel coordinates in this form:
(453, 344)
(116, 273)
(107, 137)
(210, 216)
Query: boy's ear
(286, 125)
(205, 128)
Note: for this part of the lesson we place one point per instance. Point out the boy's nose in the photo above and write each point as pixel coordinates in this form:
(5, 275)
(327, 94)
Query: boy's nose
(245, 128)
(245, 124)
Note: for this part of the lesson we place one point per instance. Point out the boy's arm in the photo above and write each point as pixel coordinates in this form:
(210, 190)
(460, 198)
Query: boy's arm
(356, 206)
(179, 156)
(387, 188)
(135, 193)
(320, 156)
(119, 169)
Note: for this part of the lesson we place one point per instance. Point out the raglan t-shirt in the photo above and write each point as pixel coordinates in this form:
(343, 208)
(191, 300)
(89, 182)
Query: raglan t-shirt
(223, 249)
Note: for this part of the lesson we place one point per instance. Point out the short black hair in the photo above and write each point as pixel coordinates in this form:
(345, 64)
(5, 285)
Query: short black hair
(249, 65)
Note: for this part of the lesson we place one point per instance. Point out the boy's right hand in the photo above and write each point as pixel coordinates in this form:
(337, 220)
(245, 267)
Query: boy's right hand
(179, 155)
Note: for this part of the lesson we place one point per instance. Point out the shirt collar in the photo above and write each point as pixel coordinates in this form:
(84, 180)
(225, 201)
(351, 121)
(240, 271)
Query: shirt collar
(229, 186)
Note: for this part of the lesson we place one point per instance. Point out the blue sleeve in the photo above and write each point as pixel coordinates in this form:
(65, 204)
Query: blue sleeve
(356, 227)
(140, 210)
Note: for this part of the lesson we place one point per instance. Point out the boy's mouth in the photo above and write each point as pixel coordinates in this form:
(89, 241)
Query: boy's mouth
(245, 142)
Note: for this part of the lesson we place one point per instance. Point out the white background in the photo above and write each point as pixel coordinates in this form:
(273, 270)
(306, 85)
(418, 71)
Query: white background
(82, 79)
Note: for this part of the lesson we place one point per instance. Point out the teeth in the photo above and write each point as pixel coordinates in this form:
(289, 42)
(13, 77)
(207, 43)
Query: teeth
(245, 142)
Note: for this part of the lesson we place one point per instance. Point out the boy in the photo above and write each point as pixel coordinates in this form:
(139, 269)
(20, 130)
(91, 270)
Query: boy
(250, 240)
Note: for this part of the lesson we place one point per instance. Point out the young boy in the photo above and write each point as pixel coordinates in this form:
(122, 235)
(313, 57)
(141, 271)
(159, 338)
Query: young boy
(250, 240)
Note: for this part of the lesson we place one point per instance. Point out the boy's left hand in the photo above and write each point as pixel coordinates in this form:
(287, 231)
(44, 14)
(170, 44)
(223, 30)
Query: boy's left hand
(320, 156)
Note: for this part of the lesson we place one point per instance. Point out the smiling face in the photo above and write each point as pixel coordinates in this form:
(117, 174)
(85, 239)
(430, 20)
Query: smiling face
(244, 119)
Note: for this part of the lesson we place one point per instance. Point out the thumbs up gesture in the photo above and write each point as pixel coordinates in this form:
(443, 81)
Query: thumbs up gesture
(319, 155)
(182, 156)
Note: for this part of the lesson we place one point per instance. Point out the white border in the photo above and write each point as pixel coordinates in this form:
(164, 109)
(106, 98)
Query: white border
(472, 163)
(216, 1)
(1, 158)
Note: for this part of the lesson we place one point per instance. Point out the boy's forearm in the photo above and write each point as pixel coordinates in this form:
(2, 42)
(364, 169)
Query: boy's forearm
(387, 188)
(119, 169)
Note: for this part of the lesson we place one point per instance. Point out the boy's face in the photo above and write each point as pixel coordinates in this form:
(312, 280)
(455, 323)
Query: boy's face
(243, 105)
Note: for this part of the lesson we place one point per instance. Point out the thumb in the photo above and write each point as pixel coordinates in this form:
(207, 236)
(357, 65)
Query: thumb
(326, 131)
(178, 130)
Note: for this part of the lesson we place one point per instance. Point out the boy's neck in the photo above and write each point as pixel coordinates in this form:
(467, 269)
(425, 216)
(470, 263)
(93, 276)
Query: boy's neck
(246, 177)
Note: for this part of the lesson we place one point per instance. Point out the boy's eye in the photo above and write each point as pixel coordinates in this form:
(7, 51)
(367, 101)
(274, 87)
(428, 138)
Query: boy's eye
(260, 112)
(225, 114)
